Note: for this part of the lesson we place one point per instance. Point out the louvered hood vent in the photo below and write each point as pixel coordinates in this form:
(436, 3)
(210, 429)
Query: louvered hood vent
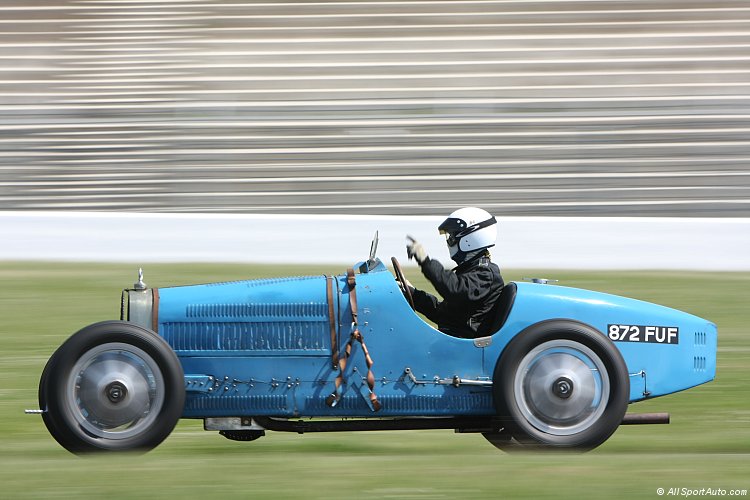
(286, 316)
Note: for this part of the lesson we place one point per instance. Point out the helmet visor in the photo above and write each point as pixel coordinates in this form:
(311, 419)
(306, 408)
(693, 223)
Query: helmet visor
(450, 239)
(452, 225)
(455, 229)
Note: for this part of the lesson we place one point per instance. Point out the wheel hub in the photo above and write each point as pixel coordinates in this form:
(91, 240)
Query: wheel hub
(562, 388)
(116, 392)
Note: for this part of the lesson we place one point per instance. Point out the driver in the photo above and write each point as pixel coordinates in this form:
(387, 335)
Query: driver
(470, 290)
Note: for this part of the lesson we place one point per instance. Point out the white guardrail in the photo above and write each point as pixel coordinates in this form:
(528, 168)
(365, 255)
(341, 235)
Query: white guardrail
(524, 242)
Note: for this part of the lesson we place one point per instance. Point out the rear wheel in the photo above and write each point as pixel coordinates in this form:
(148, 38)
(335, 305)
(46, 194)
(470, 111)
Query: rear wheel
(561, 384)
(113, 386)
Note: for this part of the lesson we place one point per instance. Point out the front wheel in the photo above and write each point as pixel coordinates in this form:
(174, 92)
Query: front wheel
(113, 386)
(561, 384)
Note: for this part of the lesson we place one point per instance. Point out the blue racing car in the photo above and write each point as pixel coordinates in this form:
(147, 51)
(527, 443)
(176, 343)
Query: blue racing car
(349, 353)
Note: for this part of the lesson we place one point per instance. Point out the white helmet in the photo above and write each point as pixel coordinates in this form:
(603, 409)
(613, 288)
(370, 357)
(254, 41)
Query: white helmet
(468, 231)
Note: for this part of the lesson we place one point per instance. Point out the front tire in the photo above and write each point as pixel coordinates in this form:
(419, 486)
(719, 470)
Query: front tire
(112, 386)
(561, 384)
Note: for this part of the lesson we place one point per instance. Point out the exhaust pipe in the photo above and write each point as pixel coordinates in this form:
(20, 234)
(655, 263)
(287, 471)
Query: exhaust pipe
(645, 418)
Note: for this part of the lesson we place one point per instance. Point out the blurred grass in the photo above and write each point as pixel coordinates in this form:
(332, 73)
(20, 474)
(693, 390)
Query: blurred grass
(707, 444)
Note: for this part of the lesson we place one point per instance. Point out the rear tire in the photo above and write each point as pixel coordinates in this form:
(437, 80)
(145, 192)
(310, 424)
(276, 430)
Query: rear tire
(112, 386)
(561, 384)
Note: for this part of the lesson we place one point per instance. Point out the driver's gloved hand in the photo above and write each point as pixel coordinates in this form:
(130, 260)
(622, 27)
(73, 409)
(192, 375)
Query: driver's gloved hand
(415, 250)
(403, 286)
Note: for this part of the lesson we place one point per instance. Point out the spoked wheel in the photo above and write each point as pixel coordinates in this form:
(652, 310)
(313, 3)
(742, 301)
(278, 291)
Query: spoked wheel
(112, 386)
(561, 384)
(401, 279)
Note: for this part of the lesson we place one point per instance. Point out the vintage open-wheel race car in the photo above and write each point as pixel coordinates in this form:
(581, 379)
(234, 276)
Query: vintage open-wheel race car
(349, 353)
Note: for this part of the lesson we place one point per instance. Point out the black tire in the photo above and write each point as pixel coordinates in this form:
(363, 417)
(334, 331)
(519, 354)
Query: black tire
(112, 386)
(561, 384)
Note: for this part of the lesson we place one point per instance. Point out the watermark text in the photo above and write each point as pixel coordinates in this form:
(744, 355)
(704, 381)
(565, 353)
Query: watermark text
(701, 492)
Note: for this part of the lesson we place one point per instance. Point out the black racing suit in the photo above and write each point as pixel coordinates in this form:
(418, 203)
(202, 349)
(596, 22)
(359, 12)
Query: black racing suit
(469, 292)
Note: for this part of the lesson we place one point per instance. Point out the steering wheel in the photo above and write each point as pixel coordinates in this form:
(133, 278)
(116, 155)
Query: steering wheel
(400, 278)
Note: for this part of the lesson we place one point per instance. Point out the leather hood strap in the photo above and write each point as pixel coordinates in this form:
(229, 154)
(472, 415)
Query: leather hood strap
(356, 335)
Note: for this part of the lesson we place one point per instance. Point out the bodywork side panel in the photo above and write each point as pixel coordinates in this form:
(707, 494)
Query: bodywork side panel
(263, 347)
(656, 366)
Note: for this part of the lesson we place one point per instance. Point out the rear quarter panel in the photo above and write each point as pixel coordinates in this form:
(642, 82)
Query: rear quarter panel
(666, 350)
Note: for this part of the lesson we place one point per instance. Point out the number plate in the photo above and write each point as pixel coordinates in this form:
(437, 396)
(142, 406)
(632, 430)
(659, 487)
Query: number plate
(641, 333)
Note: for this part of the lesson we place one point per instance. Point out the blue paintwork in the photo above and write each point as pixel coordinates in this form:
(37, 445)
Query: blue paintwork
(262, 347)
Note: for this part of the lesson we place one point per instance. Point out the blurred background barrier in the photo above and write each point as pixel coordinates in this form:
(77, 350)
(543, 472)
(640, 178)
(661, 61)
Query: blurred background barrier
(525, 108)
(525, 242)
